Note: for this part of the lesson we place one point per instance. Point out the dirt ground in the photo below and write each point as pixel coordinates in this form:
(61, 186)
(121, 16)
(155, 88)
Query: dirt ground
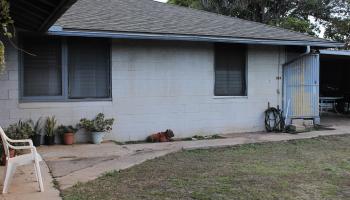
(334, 120)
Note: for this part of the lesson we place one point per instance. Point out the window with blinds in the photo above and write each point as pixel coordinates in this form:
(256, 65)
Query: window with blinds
(59, 68)
(88, 67)
(42, 69)
(230, 70)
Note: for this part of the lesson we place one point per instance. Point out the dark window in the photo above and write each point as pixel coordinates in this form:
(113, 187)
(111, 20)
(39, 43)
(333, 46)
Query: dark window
(42, 71)
(230, 70)
(88, 64)
(65, 68)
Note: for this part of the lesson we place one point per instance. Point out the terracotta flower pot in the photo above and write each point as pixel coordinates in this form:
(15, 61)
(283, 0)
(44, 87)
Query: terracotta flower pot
(3, 156)
(68, 138)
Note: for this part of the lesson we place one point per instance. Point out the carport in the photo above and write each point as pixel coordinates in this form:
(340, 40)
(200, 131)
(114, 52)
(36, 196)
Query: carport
(334, 85)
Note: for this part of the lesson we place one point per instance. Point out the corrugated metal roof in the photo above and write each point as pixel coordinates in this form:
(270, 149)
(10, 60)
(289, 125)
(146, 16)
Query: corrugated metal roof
(150, 17)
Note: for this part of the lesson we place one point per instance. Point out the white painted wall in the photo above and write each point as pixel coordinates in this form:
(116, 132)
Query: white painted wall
(161, 85)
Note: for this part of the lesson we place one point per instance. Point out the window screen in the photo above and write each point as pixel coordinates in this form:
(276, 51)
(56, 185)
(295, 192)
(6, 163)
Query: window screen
(230, 69)
(89, 68)
(42, 71)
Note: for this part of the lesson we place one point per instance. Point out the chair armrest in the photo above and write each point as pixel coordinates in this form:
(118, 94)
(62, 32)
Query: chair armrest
(22, 141)
(30, 142)
(21, 147)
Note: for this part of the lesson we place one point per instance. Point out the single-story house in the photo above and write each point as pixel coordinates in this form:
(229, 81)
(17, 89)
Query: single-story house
(154, 66)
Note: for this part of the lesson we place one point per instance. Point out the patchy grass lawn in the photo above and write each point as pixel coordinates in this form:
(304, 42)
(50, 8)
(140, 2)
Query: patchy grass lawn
(305, 169)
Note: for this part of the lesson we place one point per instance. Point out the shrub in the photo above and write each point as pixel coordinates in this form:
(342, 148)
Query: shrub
(98, 124)
(19, 130)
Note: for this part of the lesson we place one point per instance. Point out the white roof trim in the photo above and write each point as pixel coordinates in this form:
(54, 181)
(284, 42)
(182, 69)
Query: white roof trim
(335, 52)
(152, 36)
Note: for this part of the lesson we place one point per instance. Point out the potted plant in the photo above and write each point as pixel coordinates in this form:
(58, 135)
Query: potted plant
(50, 131)
(36, 135)
(67, 133)
(17, 131)
(11, 132)
(98, 127)
(24, 130)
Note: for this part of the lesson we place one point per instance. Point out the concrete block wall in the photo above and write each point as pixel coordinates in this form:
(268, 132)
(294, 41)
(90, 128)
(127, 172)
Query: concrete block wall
(161, 85)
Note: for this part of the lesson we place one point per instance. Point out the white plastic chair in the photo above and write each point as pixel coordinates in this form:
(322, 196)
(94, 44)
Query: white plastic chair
(12, 163)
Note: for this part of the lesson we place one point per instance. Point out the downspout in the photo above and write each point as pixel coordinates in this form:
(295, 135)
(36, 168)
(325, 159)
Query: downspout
(279, 77)
(308, 50)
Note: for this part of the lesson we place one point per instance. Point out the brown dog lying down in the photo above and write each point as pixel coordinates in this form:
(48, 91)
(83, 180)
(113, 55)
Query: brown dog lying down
(161, 136)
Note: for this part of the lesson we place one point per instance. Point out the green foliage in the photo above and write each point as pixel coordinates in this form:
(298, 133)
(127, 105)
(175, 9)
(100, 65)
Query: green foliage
(296, 24)
(19, 130)
(305, 16)
(86, 124)
(50, 126)
(186, 3)
(99, 124)
(5, 22)
(37, 126)
(5, 18)
(62, 129)
(2, 57)
(339, 30)
(206, 137)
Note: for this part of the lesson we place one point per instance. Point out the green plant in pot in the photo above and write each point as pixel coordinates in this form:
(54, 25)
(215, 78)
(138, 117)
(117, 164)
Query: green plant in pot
(67, 133)
(17, 131)
(98, 127)
(50, 130)
(11, 132)
(37, 129)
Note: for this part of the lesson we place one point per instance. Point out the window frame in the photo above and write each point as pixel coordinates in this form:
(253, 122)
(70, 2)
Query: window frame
(245, 82)
(65, 85)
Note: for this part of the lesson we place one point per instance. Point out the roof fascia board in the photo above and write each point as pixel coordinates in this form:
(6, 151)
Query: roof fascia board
(152, 36)
(334, 52)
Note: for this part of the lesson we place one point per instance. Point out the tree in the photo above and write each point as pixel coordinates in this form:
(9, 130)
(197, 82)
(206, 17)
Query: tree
(186, 3)
(5, 22)
(339, 30)
(305, 16)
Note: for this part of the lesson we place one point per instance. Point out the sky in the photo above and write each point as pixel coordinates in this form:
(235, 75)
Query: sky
(162, 1)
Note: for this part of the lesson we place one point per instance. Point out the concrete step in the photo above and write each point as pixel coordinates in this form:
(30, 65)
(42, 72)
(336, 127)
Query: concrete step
(301, 125)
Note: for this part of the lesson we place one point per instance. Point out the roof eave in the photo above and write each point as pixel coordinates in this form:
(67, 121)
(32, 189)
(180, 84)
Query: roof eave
(56, 14)
(336, 53)
(177, 37)
(37, 16)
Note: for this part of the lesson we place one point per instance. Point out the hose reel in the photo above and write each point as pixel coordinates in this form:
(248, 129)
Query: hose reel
(274, 120)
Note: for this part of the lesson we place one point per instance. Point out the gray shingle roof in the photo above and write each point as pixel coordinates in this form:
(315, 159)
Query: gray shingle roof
(147, 16)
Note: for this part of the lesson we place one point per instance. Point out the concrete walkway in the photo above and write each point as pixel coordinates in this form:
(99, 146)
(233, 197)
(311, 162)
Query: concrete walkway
(81, 163)
(25, 187)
